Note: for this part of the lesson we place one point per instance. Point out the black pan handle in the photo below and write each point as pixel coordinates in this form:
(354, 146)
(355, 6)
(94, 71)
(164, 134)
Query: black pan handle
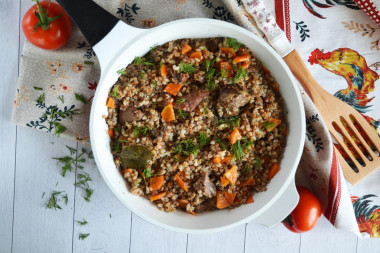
(94, 22)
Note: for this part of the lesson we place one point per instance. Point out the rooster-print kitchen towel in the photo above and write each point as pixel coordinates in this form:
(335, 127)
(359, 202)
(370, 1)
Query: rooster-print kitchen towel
(338, 42)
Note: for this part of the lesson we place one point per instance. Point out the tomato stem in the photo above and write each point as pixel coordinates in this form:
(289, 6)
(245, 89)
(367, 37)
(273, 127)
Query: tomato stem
(43, 19)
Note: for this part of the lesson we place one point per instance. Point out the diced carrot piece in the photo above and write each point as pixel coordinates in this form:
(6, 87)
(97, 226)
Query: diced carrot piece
(156, 182)
(273, 170)
(246, 64)
(111, 133)
(186, 48)
(181, 183)
(183, 203)
(248, 182)
(173, 88)
(228, 50)
(230, 197)
(182, 174)
(232, 174)
(191, 212)
(224, 181)
(235, 136)
(110, 103)
(266, 71)
(272, 124)
(225, 66)
(249, 200)
(227, 160)
(157, 196)
(196, 55)
(276, 87)
(242, 58)
(221, 201)
(164, 70)
(168, 113)
(216, 160)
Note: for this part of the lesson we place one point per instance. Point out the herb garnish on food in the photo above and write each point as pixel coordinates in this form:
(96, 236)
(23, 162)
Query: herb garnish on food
(139, 60)
(122, 71)
(231, 121)
(203, 139)
(210, 71)
(140, 130)
(233, 43)
(240, 74)
(115, 91)
(147, 173)
(240, 147)
(182, 114)
(221, 143)
(187, 147)
(180, 100)
(186, 67)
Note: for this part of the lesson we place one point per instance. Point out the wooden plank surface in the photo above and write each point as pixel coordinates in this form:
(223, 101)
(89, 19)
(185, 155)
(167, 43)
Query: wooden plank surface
(9, 50)
(112, 227)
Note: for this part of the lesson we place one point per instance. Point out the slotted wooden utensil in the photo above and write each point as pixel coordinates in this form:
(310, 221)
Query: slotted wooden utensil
(335, 112)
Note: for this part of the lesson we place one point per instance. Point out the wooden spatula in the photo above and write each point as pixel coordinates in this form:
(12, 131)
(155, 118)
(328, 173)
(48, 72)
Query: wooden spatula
(334, 113)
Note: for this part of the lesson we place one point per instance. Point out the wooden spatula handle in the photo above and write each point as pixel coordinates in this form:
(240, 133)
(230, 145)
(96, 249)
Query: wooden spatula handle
(300, 71)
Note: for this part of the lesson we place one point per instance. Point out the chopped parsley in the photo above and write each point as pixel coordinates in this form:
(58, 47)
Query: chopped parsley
(81, 98)
(115, 91)
(240, 74)
(88, 192)
(122, 71)
(140, 130)
(186, 67)
(139, 60)
(83, 236)
(183, 114)
(187, 147)
(233, 43)
(154, 84)
(231, 121)
(203, 139)
(142, 75)
(82, 223)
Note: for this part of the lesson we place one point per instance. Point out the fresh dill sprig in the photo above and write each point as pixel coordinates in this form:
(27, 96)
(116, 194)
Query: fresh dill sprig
(240, 74)
(139, 60)
(180, 100)
(240, 147)
(231, 121)
(182, 114)
(71, 161)
(83, 178)
(140, 130)
(233, 43)
(115, 91)
(186, 67)
(210, 71)
(82, 223)
(53, 200)
(147, 173)
(122, 71)
(81, 98)
(203, 139)
(59, 128)
(88, 195)
(83, 236)
(187, 147)
(221, 143)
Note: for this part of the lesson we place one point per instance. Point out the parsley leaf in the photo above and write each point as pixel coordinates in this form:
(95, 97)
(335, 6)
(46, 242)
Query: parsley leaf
(81, 98)
(186, 67)
(210, 71)
(231, 121)
(233, 43)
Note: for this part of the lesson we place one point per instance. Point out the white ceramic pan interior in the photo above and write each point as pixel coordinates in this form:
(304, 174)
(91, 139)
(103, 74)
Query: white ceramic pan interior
(118, 49)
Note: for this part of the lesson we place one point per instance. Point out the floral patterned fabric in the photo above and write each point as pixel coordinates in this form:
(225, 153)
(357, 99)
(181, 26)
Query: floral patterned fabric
(55, 88)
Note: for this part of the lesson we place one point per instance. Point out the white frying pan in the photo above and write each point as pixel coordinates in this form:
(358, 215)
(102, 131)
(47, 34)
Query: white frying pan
(116, 45)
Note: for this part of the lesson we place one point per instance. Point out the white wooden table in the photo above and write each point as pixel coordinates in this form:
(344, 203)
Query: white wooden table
(27, 170)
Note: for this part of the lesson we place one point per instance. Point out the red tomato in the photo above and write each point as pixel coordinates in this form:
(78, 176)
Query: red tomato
(306, 214)
(51, 29)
